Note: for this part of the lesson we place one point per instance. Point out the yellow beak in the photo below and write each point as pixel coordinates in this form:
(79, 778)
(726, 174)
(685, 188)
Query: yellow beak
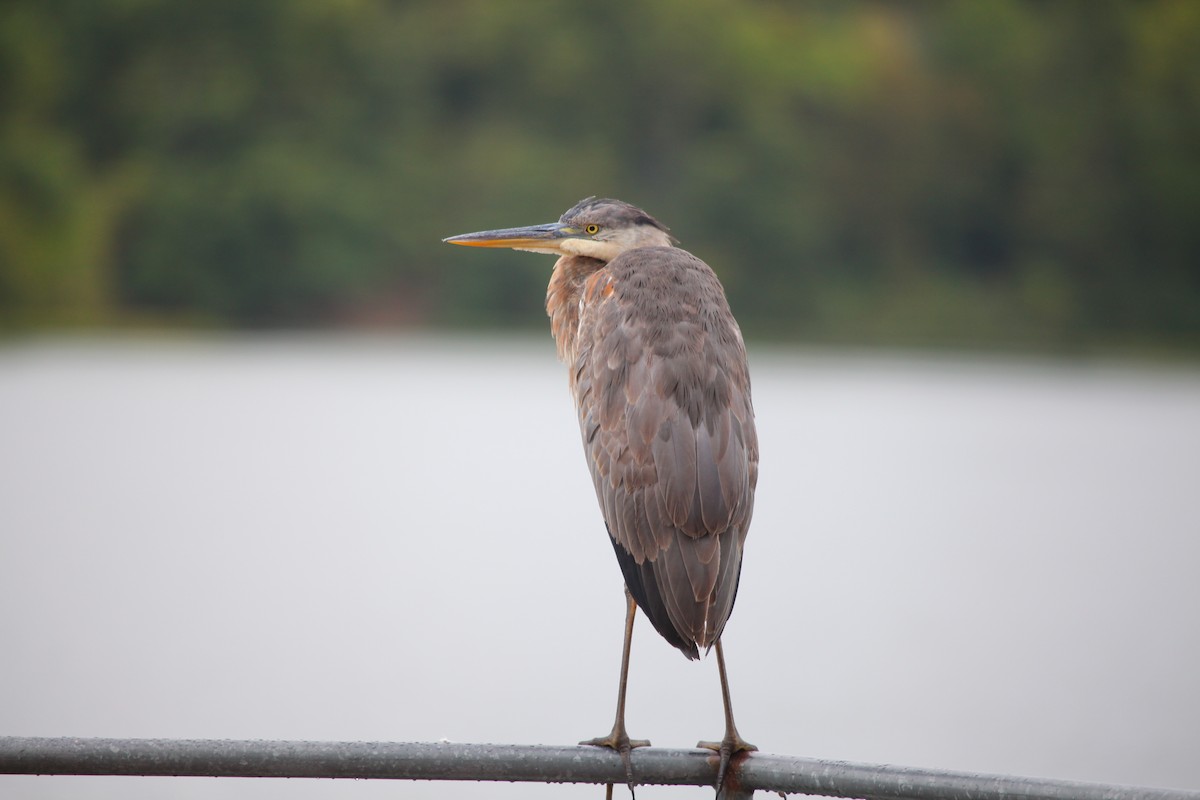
(535, 238)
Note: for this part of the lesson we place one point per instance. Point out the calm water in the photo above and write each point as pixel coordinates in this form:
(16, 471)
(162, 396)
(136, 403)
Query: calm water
(987, 566)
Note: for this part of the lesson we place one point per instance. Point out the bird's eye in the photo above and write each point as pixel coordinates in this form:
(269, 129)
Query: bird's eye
(592, 230)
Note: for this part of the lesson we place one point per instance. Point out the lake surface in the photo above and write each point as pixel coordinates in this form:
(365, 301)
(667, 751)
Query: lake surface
(955, 563)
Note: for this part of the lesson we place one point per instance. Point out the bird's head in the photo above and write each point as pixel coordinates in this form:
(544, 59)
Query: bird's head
(597, 228)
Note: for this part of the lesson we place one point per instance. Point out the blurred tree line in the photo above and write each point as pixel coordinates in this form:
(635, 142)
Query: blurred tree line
(993, 172)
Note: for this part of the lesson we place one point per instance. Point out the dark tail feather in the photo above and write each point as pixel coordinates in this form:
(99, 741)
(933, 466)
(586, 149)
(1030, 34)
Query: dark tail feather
(645, 585)
(640, 580)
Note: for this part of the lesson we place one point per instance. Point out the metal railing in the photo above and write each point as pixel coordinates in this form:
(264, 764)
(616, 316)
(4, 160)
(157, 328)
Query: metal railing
(537, 763)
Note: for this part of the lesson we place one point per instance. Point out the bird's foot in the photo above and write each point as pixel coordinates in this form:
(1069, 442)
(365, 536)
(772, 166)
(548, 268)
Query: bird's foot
(619, 740)
(728, 747)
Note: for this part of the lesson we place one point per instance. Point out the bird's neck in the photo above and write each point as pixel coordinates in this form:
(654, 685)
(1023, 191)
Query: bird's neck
(562, 301)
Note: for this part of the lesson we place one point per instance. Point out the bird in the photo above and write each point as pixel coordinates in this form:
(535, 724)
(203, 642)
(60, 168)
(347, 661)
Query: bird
(658, 370)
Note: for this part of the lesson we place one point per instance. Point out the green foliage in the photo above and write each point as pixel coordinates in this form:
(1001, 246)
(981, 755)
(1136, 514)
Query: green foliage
(995, 172)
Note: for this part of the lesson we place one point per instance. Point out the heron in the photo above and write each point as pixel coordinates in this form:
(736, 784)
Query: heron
(657, 367)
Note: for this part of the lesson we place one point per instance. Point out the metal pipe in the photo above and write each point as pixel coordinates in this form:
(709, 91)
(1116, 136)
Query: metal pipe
(385, 760)
(539, 763)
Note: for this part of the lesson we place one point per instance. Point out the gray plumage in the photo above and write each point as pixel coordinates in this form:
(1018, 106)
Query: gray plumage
(662, 391)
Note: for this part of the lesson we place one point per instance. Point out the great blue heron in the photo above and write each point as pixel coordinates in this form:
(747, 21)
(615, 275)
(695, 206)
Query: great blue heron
(658, 370)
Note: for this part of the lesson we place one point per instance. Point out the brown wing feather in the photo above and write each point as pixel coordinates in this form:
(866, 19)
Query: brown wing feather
(663, 394)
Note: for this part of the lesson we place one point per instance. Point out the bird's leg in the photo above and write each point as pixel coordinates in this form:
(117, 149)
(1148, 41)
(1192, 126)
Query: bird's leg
(733, 742)
(619, 739)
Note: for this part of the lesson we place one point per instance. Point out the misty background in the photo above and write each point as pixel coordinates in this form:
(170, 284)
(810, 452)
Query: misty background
(276, 463)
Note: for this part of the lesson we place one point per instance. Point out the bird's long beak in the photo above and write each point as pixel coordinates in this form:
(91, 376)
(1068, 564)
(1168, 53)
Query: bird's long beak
(535, 238)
